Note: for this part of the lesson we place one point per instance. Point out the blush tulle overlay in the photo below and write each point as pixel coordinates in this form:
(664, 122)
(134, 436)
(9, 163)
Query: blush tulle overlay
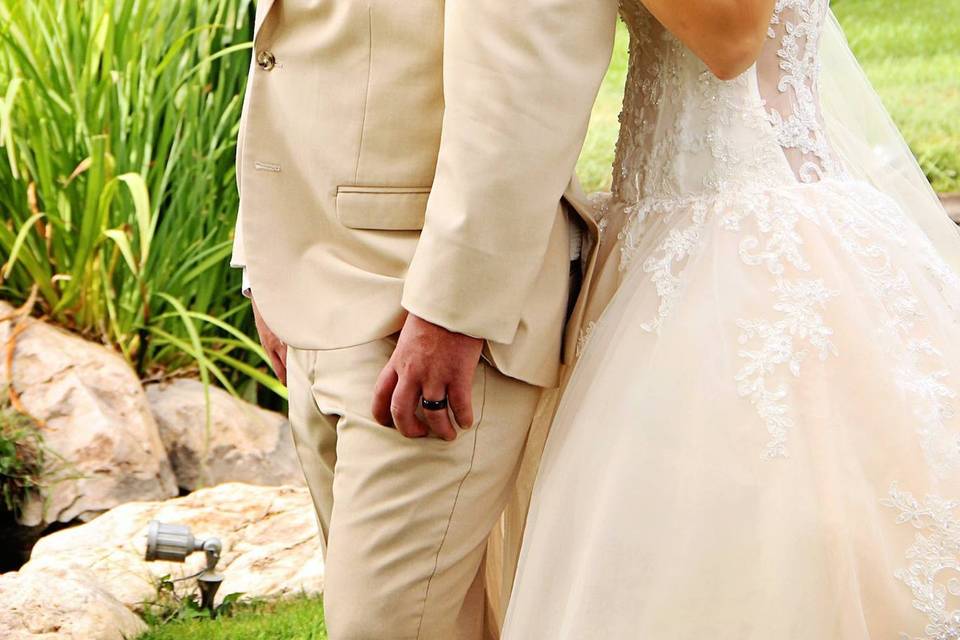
(761, 438)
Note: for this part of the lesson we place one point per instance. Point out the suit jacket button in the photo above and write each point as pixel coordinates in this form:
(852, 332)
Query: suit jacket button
(266, 60)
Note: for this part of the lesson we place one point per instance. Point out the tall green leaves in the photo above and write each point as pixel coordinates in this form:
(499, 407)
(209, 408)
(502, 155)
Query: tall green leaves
(117, 199)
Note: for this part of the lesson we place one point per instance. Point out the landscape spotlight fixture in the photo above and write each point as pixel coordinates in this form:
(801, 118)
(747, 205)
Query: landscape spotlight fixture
(174, 542)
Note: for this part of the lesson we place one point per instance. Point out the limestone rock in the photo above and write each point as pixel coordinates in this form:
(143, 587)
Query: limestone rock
(270, 543)
(96, 419)
(62, 604)
(244, 443)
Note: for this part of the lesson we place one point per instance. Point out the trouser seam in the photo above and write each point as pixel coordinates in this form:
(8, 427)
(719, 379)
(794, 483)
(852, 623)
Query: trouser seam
(453, 508)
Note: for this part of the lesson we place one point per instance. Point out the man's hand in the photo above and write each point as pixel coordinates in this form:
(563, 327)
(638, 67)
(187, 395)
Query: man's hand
(433, 363)
(276, 349)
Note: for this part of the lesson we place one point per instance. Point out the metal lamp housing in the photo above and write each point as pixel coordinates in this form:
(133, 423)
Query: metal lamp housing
(172, 542)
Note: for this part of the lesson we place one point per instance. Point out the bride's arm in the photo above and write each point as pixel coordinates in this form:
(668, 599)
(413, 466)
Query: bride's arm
(726, 34)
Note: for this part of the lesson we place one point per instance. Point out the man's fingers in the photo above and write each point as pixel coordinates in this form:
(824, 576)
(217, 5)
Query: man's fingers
(460, 395)
(279, 358)
(403, 407)
(439, 420)
(383, 394)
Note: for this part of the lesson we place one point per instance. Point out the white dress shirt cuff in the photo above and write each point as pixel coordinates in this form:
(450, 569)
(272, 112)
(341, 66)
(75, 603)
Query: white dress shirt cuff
(245, 280)
(245, 286)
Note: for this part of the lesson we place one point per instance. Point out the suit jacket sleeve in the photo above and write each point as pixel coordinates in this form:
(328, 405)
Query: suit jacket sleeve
(520, 79)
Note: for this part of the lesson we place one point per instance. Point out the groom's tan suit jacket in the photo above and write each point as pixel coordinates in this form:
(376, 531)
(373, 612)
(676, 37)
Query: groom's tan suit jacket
(413, 155)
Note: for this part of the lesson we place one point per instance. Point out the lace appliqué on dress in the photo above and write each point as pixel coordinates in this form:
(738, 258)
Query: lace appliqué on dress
(933, 572)
(786, 341)
(921, 371)
(665, 265)
(583, 340)
(795, 115)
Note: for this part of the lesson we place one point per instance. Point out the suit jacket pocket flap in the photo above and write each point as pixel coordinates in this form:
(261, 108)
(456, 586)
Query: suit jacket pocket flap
(385, 208)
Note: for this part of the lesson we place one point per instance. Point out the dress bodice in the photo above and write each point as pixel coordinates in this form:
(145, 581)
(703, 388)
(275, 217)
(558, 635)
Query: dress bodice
(686, 132)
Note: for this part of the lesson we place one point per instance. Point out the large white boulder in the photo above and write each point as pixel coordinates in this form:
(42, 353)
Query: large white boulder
(241, 443)
(270, 543)
(62, 604)
(95, 418)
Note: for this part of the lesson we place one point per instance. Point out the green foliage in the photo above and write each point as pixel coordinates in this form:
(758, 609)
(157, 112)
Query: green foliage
(170, 606)
(909, 49)
(118, 123)
(21, 458)
(596, 159)
(255, 619)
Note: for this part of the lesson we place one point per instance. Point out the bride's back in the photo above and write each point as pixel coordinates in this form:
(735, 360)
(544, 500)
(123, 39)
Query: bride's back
(685, 132)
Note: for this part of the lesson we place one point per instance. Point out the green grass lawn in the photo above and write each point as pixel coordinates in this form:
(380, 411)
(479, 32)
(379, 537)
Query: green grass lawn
(909, 48)
(292, 619)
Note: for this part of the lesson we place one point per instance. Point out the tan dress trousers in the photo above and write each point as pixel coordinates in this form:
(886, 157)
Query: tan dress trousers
(404, 522)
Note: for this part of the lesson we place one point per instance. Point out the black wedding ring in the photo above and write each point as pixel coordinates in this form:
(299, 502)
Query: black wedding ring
(433, 405)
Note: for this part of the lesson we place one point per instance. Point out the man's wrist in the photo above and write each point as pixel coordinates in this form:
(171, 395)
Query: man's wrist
(412, 317)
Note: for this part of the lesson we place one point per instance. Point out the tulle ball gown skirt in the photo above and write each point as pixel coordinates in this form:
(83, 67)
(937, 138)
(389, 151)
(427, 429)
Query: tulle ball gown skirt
(761, 438)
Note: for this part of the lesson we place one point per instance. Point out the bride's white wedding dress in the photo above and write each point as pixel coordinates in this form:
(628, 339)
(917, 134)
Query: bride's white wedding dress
(762, 437)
